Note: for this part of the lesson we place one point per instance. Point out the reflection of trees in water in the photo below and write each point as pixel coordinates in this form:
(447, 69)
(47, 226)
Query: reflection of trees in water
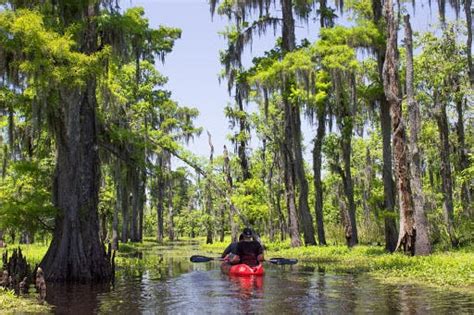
(76, 298)
(406, 300)
(318, 290)
(348, 297)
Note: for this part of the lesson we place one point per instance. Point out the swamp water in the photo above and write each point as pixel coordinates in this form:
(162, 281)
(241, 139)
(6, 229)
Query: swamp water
(162, 280)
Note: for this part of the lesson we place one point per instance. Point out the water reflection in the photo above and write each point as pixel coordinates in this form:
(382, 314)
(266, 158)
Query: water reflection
(76, 299)
(173, 285)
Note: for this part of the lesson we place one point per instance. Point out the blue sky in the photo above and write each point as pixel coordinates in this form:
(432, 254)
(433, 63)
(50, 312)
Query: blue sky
(193, 66)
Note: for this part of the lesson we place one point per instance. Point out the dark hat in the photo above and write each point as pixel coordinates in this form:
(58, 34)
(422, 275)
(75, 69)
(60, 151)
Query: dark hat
(247, 232)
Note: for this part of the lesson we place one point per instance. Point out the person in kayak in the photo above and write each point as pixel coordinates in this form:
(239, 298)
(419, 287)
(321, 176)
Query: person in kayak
(249, 251)
(232, 248)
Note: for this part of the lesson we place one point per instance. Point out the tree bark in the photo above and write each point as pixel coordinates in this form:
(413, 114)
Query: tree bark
(76, 252)
(318, 184)
(391, 83)
(446, 176)
(306, 218)
(422, 240)
(348, 185)
(293, 148)
(293, 223)
(390, 226)
(318, 144)
(345, 123)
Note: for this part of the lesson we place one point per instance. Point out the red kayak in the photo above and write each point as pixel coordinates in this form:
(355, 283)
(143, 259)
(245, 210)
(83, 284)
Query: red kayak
(242, 270)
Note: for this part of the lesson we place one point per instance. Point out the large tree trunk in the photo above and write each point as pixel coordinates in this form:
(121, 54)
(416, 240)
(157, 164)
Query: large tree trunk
(306, 218)
(293, 135)
(390, 225)
(352, 240)
(346, 155)
(318, 184)
(422, 240)
(76, 252)
(318, 145)
(386, 125)
(293, 223)
(391, 83)
(287, 146)
(345, 123)
(446, 176)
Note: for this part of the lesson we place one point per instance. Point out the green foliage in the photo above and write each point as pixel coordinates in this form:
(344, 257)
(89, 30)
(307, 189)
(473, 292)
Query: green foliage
(452, 269)
(25, 197)
(250, 197)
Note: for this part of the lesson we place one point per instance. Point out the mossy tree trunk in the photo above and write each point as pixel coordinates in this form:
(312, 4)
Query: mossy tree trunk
(76, 252)
(391, 83)
(422, 241)
(295, 175)
(390, 226)
(446, 174)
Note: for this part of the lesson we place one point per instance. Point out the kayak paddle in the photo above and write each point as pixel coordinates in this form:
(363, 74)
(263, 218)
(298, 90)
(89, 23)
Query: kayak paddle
(199, 258)
(276, 261)
(283, 261)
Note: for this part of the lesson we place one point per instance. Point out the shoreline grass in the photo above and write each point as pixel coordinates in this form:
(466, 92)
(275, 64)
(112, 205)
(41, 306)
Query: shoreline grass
(453, 269)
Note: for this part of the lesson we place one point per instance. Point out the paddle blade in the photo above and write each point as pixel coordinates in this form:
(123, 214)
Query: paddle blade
(283, 261)
(199, 259)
